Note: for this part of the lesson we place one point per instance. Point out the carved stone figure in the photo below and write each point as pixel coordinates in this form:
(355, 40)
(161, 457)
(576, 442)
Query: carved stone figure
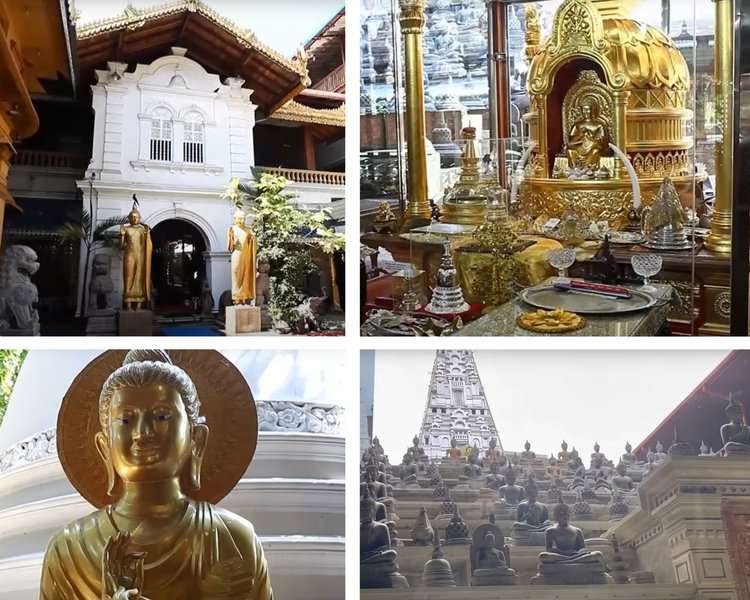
(566, 560)
(493, 456)
(511, 493)
(263, 283)
(598, 460)
(244, 249)
(18, 296)
(457, 532)
(102, 286)
(736, 434)
(622, 481)
(151, 537)
(563, 456)
(629, 458)
(527, 454)
(490, 558)
(532, 519)
(453, 452)
(135, 243)
(378, 562)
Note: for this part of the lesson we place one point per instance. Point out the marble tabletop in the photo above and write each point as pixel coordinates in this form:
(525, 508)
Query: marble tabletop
(501, 321)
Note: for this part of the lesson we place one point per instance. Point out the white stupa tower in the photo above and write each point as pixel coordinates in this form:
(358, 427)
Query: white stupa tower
(456, 406)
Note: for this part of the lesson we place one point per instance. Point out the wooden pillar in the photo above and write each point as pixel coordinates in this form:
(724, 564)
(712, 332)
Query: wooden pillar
(498, 75)
(310, 163)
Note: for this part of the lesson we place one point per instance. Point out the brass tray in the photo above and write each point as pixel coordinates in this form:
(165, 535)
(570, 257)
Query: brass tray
(548, 298)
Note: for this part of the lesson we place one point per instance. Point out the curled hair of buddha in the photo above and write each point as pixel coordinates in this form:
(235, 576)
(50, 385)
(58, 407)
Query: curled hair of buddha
(147, 367)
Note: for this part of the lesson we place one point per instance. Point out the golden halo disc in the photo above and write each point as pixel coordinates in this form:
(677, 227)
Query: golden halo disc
(226, 403)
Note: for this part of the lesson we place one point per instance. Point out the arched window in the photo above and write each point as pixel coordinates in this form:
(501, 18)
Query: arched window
(161, 135)
(192, 146)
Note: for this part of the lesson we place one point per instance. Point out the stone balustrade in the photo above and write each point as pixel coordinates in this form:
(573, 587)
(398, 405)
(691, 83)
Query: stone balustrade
(305, 176)
(43, 159)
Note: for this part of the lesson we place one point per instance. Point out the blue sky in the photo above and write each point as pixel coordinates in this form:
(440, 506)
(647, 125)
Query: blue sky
(281, 24)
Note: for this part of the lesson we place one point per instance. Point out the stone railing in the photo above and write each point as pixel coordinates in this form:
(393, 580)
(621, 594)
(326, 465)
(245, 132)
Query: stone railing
(297, 417)
(333, 82)
(304, 176)
(50, 160)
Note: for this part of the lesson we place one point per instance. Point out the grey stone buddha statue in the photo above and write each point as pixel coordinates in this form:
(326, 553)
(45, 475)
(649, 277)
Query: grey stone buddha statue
(659, 455)
(532, 519)
(377, 488)
(490, 558)
(566, 560)
(527, 454)
(511, 493)
(735, 435)
(378, 562)
(563, 456)
(628, 458)
(381, 513)
(598, 459)
(621, 480)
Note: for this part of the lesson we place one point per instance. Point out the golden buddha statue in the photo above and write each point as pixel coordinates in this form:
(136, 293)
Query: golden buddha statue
(588, 139)
(135, 242)
(244, 248)
(141, 456)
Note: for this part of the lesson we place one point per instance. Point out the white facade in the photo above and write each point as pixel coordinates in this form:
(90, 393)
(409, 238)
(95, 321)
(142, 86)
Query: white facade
(293, 492)
(174, 135)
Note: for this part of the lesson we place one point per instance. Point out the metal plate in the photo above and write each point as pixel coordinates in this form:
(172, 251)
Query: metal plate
(445, 229)
(548, 298)
(628, 238)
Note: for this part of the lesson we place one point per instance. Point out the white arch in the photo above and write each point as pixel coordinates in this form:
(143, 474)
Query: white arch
(204, 226)
(157, 104)
(193, 108)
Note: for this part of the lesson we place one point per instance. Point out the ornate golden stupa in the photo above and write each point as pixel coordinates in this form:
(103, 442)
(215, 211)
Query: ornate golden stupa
(601, 81)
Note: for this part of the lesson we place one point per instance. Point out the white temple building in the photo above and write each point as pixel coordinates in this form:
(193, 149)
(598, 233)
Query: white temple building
(172, 134)
(293, 491)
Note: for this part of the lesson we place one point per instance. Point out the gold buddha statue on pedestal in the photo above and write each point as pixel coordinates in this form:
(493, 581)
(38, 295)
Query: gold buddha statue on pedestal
(588, 140)
(141, 455)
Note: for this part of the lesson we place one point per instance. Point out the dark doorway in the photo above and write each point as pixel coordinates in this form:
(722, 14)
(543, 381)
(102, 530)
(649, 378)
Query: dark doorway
(178, 267)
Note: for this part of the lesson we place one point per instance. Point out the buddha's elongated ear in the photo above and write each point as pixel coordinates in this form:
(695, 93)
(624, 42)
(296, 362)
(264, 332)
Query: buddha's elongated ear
(102, 447)
(197, 451)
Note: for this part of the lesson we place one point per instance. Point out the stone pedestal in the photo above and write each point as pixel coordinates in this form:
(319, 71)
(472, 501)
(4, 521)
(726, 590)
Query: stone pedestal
(29, 331)
(102, 322)
(135, 322)
(571, 574)
(241, 319)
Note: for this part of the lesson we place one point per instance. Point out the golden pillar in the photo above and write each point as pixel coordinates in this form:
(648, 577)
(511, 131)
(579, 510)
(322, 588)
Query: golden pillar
(412, 21)
(621, 109)
(720, 240)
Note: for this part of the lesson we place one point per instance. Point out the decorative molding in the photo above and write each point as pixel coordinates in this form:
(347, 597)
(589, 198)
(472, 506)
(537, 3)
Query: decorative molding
(38, 446)
(134, 18)
(300, 417)
(299, 113)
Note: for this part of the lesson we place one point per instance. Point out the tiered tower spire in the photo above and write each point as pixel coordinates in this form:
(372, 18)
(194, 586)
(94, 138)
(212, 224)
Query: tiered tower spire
(456, 406)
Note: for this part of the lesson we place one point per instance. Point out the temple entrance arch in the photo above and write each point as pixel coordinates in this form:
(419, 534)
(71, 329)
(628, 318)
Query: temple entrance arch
(178, 266)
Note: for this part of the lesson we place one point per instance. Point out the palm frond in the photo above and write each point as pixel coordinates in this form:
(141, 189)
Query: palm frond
(101, 231)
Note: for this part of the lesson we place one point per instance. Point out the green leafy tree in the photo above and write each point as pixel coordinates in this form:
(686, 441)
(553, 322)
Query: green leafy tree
(93, 237)
(285, 237)
(10, 365)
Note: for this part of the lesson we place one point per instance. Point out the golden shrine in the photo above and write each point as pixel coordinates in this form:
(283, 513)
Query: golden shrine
(603, 87)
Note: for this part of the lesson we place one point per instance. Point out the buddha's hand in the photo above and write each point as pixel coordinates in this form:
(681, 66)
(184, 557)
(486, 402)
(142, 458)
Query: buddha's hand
(122, 571)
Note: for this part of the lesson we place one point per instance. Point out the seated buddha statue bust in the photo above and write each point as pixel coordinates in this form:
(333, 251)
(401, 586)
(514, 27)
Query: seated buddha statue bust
(622, 481)
(454, 453)
(628, 458)
(490, 557)
(563, 456)
(511, 493)
(588, 140)
(493, 456)
(378, 561)
(377, 488)
(527, 454)
(566, 560)
(152, 537)
(736, 434)
(598, 459)
(532, 519)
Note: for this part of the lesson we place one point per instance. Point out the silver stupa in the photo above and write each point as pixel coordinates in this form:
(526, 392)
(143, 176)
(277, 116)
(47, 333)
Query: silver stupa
(447, 297)
(663, 223)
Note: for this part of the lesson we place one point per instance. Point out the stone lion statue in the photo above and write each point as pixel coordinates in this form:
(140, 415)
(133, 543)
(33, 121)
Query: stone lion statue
(18, 296)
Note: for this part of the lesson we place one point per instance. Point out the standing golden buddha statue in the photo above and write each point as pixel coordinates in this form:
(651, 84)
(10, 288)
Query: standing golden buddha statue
(141, 456)
(135, 242)
(244, 248)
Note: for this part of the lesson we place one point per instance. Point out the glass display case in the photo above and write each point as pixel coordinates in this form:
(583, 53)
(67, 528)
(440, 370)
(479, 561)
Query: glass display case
(607, 124)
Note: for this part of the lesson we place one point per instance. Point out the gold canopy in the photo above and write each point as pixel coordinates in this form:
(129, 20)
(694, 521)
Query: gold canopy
(638, 80)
